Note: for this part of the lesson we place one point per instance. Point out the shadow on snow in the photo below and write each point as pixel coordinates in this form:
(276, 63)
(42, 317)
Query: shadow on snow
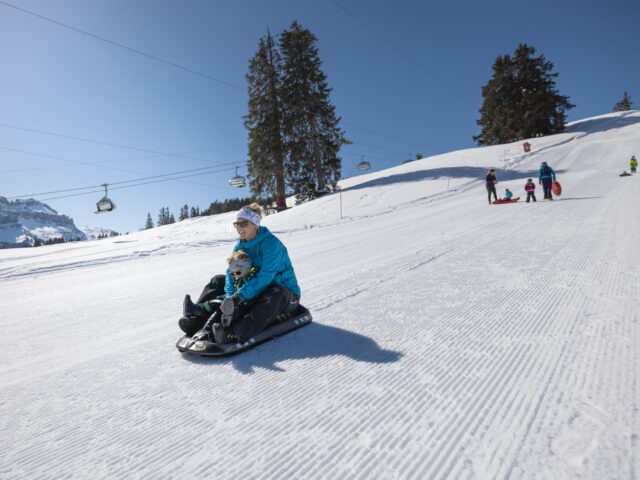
(312, 341)
(603, 124)
(443, 173)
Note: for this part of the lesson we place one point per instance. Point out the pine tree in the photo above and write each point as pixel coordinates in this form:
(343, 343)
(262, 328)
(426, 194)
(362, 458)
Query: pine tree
(266, 150)
(184, 212)
(313, 137)
(624, 104)
(171, 219)
(162, 217)
(521, 99)
(149, 223)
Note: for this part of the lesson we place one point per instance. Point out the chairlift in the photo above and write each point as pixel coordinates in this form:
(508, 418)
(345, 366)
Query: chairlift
(104, 204)
(363, 165)
(238, 180)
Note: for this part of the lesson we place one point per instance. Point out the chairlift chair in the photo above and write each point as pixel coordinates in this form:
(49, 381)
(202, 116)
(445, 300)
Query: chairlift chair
(104, 204)
(363, 165)
(238, 180)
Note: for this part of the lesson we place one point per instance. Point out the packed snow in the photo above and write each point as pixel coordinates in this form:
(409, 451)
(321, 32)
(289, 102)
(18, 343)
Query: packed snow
(451, 339)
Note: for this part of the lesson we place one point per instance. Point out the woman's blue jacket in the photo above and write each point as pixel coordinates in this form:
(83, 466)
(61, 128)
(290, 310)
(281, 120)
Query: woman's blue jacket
(270, 256)
(546, 172)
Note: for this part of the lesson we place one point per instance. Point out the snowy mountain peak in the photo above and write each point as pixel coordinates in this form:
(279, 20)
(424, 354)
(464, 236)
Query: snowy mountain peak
(22, 222)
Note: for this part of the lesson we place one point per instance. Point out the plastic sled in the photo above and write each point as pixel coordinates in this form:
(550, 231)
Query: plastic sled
(301, 317)
(513, 200)
(556, 188)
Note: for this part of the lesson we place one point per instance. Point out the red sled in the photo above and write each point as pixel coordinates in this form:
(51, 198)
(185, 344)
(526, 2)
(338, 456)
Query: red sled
(513, 200)
(556, 188)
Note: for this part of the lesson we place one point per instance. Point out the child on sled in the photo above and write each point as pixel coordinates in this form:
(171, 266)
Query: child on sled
(507, 194)
(242, 271)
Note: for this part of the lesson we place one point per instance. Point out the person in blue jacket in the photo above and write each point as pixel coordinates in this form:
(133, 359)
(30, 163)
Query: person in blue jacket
(546, 176)
(507, 194)
(271, 294)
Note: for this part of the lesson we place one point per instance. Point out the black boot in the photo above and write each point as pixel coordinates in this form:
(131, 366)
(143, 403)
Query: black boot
(190, 325)
(223, 335)
(190, 309)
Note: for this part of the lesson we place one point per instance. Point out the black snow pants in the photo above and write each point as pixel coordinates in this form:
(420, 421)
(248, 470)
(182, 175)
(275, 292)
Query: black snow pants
(491, 188)
(263, 311)
(213, 289)
(546, 187)
(531, 195)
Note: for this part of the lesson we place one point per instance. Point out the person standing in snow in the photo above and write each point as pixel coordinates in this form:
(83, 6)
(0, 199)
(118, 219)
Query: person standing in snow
(530, 188)
(546, 176)
(491, 184)
(633, 164)
(273, 293)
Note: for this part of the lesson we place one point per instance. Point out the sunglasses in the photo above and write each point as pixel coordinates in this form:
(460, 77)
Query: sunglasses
(236, 273)
(241, 224)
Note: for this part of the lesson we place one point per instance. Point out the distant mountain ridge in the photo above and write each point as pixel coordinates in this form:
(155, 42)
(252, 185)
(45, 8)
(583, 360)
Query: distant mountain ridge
(23, 222)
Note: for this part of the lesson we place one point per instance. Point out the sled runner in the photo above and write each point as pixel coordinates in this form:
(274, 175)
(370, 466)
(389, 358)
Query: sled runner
(556, 188)
(513, 200)
(301, 317)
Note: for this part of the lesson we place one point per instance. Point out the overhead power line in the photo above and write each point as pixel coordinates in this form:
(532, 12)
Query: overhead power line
(401, 52)
(99, 142)
(159, 178)
(187, 69)
(212, 169)
(120, 45)
(190, 70)
(130, 186)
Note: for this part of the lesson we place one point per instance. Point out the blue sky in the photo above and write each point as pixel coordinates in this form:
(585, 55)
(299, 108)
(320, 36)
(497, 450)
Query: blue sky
(77, 111)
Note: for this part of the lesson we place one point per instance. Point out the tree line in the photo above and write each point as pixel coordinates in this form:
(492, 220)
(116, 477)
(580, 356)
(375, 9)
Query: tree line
(165, 217)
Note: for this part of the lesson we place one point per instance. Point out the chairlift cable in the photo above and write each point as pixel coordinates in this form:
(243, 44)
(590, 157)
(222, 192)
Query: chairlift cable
(120, 45)
(173, 64)
(401, 52)
(121, 187)
(195, 72)
(214, 168)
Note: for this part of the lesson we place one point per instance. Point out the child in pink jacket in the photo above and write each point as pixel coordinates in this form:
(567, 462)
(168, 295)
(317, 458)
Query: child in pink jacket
(530, 188)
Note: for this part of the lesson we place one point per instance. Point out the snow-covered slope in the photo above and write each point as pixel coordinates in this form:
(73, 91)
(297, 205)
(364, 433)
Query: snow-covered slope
(451, 339)
(24, 221)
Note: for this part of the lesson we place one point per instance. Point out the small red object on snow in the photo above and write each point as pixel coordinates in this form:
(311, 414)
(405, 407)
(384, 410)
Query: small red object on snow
(527, 147)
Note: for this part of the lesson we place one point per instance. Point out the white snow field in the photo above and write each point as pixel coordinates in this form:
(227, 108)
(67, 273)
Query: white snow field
(451, 339)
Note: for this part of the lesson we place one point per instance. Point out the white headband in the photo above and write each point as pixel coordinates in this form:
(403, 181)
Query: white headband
(249, 215)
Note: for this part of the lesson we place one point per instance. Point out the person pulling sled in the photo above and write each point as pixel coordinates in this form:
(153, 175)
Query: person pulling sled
(546, 176)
